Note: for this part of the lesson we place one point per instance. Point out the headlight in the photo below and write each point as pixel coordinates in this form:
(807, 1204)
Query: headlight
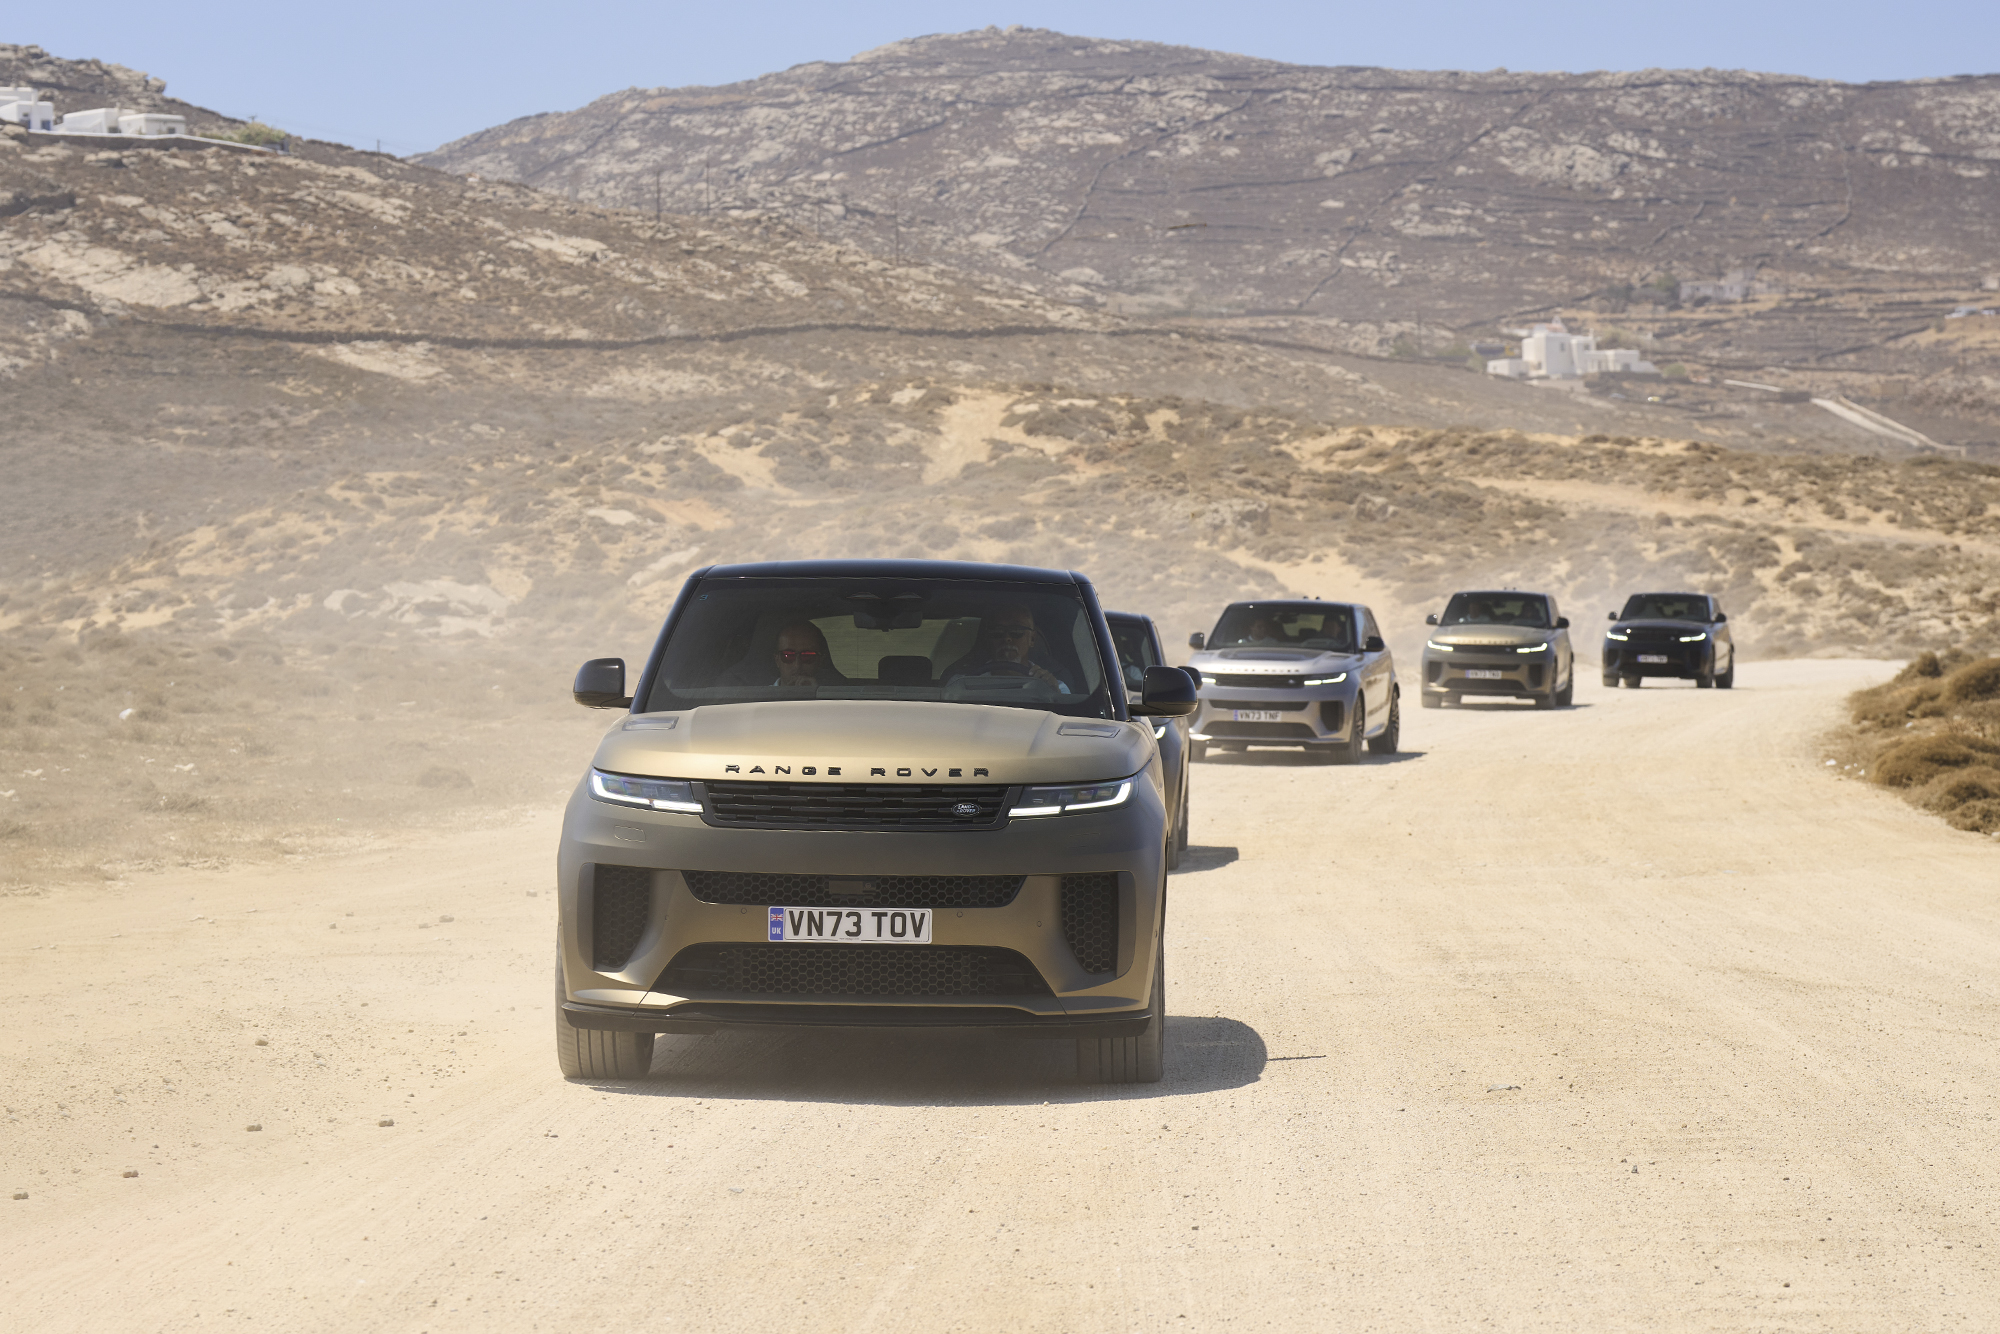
(1694, 639)
(1531, 648)
(655, 794)
(1076, 797)
(1613, 634)
(1159, 730)
(1326, 680)
(1442, 648)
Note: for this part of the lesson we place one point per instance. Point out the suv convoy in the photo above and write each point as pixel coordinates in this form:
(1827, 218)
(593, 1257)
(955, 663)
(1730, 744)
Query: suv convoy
(1683, 635)
(871, 793)
(1137, 643)
(1503, 642)
(1296, 673)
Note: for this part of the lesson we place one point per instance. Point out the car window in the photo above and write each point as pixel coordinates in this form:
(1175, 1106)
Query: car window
(1665, 607)
(1313, 625)
(1369, 630)
(1137, 649)
(950, 641)
(1529, 609)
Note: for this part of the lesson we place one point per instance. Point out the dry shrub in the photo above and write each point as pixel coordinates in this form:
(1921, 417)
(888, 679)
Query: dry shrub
(1973, 683)
(1950, 791)
(1920, 759)
(1977, 817)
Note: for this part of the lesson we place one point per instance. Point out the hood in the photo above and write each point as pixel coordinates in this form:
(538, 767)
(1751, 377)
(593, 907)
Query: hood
(875, 741)
(1255, 661)
(1656, 623)
(1492, 636)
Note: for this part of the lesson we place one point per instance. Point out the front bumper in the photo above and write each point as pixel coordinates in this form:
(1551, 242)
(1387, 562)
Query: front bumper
(1308, 716)
(651, 849)
(1684, 661)
(1520, 674)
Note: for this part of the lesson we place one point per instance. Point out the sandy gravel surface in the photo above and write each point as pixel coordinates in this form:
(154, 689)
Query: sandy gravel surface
(1628, 1016)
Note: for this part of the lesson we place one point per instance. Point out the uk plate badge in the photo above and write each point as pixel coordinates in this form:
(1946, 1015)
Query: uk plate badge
(777, 923)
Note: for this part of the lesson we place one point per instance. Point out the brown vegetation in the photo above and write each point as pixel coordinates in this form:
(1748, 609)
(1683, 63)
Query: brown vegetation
(1933, 733)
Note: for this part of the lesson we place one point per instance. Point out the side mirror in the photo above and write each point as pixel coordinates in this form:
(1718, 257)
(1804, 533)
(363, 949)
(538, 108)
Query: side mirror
(1610, 615)
(1431, 619)
(1168, 694)
(1197, 640)
(1721, 616)
(1193, 676)
(600, 684)
(1562, 622)
(1374, 644)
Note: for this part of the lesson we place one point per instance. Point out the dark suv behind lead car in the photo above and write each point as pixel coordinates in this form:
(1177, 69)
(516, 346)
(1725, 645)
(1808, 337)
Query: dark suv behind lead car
(1683, 635)
(871, 793)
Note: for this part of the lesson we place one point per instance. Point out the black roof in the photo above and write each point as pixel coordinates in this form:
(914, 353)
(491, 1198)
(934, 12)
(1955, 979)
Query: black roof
(1128, 616)
(891, 569)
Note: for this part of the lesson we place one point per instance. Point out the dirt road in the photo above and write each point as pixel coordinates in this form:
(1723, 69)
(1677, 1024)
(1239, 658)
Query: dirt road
(1628, 1016)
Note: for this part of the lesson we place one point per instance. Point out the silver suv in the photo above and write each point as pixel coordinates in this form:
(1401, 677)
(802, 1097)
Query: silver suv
(1305, 673)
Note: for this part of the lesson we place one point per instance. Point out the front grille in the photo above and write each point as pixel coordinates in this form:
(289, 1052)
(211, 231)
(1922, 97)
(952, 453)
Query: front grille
(1481, 650)
(1090, 919)
(1248, 681)
(834, 971)
(1260, 731)
(889, 891)
(854, 805)
(1279, 705)
(1653, 634)
(622, 903)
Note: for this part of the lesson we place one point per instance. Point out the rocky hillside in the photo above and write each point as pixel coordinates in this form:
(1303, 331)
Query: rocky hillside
(1411, 204)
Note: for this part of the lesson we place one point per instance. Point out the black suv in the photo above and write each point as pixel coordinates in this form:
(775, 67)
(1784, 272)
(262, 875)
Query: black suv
(1684, 635)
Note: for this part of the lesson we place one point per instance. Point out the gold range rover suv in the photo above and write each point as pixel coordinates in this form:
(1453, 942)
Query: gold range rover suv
(871, 794)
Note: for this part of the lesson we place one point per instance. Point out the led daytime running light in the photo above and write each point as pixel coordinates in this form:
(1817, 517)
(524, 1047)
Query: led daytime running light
(1074, 797)
(655, 794)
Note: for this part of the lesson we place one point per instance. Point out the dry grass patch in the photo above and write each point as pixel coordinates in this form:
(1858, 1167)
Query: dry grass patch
(1933, 733)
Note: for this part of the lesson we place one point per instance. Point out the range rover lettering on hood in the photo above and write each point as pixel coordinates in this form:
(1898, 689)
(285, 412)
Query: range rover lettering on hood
(873, 771)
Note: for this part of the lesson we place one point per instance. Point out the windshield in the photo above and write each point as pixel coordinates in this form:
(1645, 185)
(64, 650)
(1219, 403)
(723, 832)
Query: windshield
(957, 641)
(1133, 639)
(1665, 607)
(1529, 609)
(1326, 626)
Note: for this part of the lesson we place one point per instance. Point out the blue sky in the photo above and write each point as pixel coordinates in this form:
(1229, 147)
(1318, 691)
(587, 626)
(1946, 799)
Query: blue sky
(415, 76)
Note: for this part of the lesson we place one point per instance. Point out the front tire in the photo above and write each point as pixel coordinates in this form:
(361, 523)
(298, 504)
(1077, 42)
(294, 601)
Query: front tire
(1430, 701)
(1177, 836)
(590, 1053)
(1197, 751)
(1611, 680)
(1134, 1060)
(1632, 682)
(1392, 733)
(1727, 680)
(1351, 750)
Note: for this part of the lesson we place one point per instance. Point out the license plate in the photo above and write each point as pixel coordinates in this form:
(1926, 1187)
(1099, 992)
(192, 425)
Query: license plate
(1484, 673)
(853, 926)
(1652, 657)
(1259, 716)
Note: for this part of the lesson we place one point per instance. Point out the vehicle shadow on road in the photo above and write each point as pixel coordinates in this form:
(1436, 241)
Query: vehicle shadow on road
(1204, 1053)
(1196, 857)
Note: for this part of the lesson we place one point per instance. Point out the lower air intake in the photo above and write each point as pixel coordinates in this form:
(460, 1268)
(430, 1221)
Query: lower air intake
(834, 972)
(622, 904)
(1090, 919)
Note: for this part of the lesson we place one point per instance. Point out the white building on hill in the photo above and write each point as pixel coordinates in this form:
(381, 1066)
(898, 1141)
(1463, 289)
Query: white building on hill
(113, 120)
(1551, 352)
(18, 106)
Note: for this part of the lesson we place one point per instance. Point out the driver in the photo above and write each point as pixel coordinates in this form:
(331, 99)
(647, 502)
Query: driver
(1263, 630)
(802, 659)
(1007, 638)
